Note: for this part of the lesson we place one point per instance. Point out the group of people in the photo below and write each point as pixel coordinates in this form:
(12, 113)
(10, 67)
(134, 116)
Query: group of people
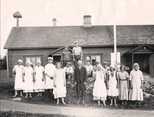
(115, 83)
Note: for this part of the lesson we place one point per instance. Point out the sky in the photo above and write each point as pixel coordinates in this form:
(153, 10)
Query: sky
(70, 12)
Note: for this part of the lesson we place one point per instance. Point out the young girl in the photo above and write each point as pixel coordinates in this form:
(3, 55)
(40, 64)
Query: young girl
(39, 78)
(123, 77)
(99, 91)
(18, 70)
(28, 79)
(112, 86)
(59, 83)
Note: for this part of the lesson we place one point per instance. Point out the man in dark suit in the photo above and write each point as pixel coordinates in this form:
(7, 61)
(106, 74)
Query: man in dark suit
(80, 76)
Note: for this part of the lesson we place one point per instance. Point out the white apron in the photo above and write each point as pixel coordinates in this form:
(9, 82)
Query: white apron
(19, 70)
(49, 72)
(39, 76)
(60, 83)
(136, 78)
(28, 84)
(99, 90)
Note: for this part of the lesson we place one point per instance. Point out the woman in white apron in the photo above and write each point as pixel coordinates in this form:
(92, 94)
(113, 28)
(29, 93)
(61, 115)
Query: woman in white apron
(99, 90)
(136, 79)
(18, 70)
(60, 84)
(113, 91)
(28, 79)
(39, 78)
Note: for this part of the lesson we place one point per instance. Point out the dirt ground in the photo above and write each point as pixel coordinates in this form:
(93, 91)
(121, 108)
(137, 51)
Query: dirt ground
(44, 107)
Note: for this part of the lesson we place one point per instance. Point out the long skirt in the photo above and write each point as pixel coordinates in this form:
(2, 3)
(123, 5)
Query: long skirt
(39, 85)
(48, 83)
(28, 84)
(18, 83)
(99, 91)
(136, 94)
(123, 90)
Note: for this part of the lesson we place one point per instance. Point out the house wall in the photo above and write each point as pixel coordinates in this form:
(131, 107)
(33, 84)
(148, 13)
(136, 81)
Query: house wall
(105, 52)
(14, 55)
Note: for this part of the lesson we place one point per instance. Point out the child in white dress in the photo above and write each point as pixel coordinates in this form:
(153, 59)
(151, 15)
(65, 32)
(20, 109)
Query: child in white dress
(39, 78)
(113, 86)
(28, 79)
(60, 83)
(99, 90)
(18, 70)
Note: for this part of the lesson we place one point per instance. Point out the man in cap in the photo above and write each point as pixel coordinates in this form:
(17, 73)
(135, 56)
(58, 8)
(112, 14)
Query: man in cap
(49, 74)
(136, 80)
(18, 71)
(80, 77)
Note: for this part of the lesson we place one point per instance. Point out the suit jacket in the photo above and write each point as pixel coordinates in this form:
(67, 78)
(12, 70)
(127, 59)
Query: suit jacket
(80, 75)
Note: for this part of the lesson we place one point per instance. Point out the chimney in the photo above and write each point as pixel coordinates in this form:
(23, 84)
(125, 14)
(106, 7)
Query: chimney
(54, 22)
(87, 20)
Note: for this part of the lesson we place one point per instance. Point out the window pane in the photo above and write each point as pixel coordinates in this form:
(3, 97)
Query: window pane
(33, 59)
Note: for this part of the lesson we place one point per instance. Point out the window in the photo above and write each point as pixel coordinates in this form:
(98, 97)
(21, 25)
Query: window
(33, 59)
(94, 58)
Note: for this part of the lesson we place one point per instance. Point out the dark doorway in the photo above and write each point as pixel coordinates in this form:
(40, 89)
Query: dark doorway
(143, 60)
(56, 58)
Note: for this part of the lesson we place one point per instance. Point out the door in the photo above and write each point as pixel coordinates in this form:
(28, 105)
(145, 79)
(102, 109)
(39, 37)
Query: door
(56, 58)
(143, 61)
(151, 63)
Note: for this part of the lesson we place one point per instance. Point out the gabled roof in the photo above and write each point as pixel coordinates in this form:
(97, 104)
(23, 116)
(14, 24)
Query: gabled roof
(51, 37)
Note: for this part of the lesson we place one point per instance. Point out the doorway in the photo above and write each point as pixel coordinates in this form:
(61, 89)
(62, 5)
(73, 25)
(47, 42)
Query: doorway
(56, 58)
(143, 60)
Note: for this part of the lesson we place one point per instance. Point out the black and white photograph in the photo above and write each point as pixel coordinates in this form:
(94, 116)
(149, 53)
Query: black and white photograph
(76, 58)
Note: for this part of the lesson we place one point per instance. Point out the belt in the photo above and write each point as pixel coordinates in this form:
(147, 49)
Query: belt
(123, 79)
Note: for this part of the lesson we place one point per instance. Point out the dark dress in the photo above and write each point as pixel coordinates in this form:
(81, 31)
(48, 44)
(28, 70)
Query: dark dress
(80, 76)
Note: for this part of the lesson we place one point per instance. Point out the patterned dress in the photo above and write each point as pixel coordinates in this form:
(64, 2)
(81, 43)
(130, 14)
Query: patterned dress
(123, 88)
(112, 83)
(136, 78)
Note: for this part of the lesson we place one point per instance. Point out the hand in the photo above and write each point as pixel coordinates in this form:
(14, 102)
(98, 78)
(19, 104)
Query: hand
(42, 79)
(23, 79)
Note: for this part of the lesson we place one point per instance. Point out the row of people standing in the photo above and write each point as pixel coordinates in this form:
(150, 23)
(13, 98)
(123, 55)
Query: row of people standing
(108, 81)
(118, 84)
(30, 79)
